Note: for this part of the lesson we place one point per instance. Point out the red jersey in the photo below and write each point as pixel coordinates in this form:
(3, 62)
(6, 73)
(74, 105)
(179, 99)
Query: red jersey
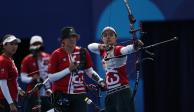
(32, 66)
(116, 72)
(9, 72)
(71, 83)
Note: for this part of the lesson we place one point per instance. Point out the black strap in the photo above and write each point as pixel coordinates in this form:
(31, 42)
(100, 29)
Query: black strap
(82, 64)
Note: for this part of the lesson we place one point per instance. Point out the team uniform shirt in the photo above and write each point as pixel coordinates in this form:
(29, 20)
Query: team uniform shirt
(9, 72)
(72, 83)
(116, 72)
(32, 66)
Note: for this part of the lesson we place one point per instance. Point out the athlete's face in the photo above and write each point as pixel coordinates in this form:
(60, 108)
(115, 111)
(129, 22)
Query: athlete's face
(70, 42)
(109, 37)
(10, 48)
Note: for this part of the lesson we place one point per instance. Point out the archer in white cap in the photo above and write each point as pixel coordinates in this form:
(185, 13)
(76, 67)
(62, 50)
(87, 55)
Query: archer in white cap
(118, 89)
(34, 70)
(36, 43)
(8, 74)
(36, 38)
(10, 38)
(109, 28)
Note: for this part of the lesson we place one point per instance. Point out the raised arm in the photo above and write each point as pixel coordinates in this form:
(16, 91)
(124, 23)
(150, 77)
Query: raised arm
(94, 47)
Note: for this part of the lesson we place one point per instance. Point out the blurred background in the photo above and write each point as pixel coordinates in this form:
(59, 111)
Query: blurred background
(166, 84)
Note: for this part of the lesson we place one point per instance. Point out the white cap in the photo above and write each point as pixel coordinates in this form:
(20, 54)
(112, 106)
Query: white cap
(36, 38)
(11, 38)
(109, 28)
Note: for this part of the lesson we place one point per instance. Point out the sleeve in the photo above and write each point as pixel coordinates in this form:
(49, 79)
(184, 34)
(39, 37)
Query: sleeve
(93, 47)
(5, 91)
(53, 74)
(117, 50)
(3, 69)
(127, 49)
(58, 75)
(25, 78)
(24, 70)
(89, 62)
(3, 73)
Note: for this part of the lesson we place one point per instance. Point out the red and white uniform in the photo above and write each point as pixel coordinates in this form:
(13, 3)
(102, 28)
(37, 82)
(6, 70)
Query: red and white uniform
(71, 83)
(9, 72)
(116, 71)
(31, 66)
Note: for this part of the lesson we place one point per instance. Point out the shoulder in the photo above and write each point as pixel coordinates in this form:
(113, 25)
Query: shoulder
(57, 51)
(117, 49)
(3, 59)
(28, 57)
(4, 62)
